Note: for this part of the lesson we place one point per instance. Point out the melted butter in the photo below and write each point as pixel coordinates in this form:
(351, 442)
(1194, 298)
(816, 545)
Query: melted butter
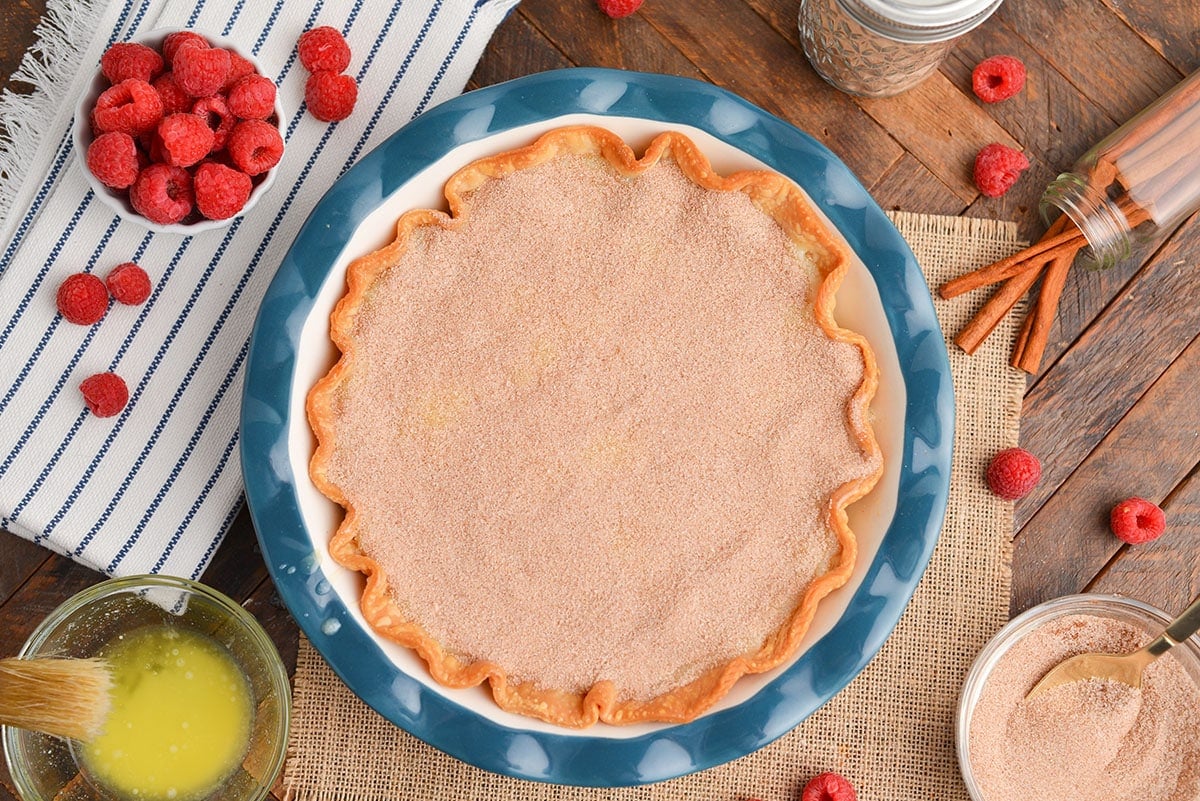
(180, 721)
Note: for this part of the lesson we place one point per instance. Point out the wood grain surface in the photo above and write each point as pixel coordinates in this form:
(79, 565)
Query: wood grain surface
(1116, 409)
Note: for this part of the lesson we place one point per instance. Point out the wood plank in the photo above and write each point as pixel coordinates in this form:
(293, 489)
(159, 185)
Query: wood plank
(1079, 399)
(1068, 542)
(1106, 59)
(1171, 27)
(910, 186)
(774, 75)
(517, 48)
(1166, 572)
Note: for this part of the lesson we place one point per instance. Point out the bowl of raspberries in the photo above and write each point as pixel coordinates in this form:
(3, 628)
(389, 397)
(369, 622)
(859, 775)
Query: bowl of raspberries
(180, 131)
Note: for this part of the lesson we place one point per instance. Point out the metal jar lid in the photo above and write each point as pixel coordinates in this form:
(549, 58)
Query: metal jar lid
(919, 20)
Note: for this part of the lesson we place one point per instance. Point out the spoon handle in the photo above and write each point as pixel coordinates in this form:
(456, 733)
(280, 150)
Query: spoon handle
(1186, 624)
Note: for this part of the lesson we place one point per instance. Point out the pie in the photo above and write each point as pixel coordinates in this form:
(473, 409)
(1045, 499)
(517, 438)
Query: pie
(595, 429)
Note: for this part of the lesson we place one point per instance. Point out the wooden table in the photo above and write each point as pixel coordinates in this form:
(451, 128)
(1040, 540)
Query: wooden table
(1116, 409)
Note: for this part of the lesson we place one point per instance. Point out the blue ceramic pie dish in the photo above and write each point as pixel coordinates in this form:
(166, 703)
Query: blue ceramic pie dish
(273, 456)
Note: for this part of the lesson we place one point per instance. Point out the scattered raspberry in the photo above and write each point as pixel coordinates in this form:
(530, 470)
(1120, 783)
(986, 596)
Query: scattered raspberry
(131, 106)
(255, 146)
(239, 67)
(221, 191)
(174, 100)
(619, 8)
(129, 284)
(201, 71)
(82, 299)
(174, 42)
(323, 48)
(998, 78)
(113, 158)
(183, 140)
(162, 194)
(997, 168)
(252, 97)
(828, 787)
(1013, 473)
(105, 394)
(1137, 521)
(330, 96)
(215, 113)
(126, 60)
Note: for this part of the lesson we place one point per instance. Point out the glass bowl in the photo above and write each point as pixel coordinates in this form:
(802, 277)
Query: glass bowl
(1126, 610)
(117, 199)
(42, 766)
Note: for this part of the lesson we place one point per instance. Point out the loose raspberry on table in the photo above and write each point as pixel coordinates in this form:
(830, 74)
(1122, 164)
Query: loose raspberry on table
(330, 96)
(183, 139)
(128, 283)
(126, 60)
(239, 67)
(221, 191)
(162, 194)
(252, 97)
(82, 299)
(131, 106)
(997, 168)
(255, 146)
(178, 40)
(1137, 521)
(201, 71)
(215, 113)
(1013, 473)
(323, 48)
(619, 8)
(828, 787)
(105, 394)
(998, 78)
(113, 158)
(174, 99)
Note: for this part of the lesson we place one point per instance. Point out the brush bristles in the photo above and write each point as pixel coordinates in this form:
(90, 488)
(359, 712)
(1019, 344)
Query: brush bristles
(63, 697)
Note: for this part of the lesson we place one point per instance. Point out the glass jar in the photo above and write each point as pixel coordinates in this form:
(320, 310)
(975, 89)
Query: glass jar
(878, 48)
(1139, 182)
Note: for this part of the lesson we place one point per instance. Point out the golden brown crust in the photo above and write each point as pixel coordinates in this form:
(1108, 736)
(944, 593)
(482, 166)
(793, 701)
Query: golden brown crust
(777, 197)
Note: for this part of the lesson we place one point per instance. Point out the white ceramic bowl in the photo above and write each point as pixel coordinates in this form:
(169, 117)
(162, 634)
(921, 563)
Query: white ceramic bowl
(118, 200)
(1126, 610)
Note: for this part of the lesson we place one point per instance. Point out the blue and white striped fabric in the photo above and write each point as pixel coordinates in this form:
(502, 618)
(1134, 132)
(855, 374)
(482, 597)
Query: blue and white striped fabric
(155, 488)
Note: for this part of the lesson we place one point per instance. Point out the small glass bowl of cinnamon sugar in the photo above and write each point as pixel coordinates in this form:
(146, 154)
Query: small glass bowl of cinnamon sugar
(1088, 739)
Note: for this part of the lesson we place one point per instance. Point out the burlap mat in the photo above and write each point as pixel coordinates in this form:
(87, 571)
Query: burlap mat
(890, 731)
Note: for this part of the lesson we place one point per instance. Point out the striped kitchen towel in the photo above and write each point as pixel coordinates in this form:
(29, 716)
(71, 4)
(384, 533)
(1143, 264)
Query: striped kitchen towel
(155, 488)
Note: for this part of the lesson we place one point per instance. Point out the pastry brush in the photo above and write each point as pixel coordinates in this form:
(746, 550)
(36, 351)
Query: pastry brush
(63, 697)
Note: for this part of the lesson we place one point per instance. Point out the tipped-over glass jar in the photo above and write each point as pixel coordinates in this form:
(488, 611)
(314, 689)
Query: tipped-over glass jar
(878, 48)
(1139, 182)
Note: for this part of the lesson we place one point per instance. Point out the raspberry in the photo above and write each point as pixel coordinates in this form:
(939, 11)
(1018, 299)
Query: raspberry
(130, 60)
(323, 48)
(221, 191)
(113, 158)
(828, 787)
(183, 140)
(997, 168)
(216, 116)
(174, 100)
(998, 78)
(1013, 473)
(201, 71)
(239, 67)
(128, 283)
(252, 98)
(619, 8)
(162, 194)
(1137, 521)
(330, 96)
(255, 146)
(105, 394)
(82, 299)
(179, 40)
(131, 106)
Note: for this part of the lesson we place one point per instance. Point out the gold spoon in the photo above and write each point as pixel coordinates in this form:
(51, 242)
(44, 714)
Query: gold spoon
(1126, 668)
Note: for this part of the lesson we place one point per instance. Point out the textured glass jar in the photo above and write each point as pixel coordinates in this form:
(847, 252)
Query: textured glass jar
(1139, 182)
(878, 48)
